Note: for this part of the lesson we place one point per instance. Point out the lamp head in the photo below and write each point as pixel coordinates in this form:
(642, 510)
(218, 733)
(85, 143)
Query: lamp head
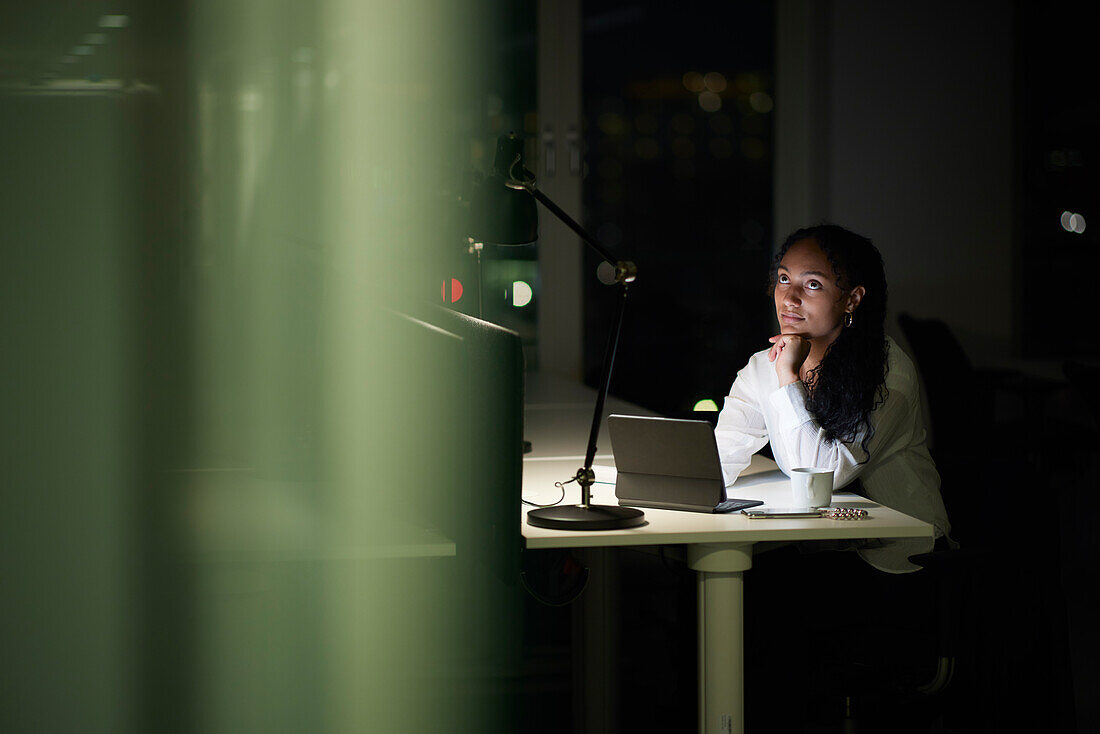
(502, 210)
(508, 161)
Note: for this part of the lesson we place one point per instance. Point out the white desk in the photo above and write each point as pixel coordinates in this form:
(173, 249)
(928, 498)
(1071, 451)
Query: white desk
(719, 547)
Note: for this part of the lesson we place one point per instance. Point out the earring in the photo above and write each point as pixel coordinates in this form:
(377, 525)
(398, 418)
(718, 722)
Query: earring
(847, 319)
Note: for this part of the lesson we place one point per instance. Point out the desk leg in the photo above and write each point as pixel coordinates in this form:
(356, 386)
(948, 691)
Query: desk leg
(595, 644)
(721, 634)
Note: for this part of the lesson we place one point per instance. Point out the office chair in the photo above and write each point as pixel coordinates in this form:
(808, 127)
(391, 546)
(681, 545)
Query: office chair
(960, 406)
(990, 469)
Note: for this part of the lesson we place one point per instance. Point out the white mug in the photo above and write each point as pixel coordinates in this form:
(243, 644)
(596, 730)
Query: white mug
(811, 487)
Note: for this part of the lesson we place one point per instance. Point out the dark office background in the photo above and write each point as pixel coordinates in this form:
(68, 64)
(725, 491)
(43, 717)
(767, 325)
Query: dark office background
(677, 102)
(1059, 130)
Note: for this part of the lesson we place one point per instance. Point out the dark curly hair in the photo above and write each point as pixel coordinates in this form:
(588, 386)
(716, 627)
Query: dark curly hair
(850, 381)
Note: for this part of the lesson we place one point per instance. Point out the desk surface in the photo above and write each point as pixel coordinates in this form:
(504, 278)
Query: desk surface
(559, 414)
(763, 482)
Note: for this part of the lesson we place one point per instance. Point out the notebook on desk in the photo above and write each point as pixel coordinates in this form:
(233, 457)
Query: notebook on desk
(669, 464)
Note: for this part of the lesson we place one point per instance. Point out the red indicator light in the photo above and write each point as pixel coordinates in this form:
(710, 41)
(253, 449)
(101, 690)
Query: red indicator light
(456, 290)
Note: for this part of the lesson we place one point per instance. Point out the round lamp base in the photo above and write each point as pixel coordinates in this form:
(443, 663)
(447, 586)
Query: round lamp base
(580, 517)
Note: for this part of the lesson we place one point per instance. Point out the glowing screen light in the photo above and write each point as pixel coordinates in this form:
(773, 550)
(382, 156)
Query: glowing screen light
(456, 290)
(706, 405)
(521, 294)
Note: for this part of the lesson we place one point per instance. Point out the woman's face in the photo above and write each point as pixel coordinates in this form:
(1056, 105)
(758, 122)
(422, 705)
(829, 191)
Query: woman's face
(808, 302)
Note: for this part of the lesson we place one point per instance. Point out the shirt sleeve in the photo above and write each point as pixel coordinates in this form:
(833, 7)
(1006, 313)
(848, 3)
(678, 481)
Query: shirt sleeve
(741, 430)
(805, 443)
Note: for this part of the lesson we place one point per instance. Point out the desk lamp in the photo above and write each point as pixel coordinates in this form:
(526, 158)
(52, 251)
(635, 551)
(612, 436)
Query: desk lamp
(504, 212)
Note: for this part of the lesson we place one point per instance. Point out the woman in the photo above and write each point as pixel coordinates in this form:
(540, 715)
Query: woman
(834, 391)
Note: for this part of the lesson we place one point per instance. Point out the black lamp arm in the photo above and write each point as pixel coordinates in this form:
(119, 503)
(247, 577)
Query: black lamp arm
(605, 384)
(625, 271)
(557, 211)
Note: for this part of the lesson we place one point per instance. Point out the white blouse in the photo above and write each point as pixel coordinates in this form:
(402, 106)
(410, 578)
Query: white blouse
(899, 473)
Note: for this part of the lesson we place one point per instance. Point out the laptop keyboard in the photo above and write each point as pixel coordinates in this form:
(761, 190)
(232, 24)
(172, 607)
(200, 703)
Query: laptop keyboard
(732, 505)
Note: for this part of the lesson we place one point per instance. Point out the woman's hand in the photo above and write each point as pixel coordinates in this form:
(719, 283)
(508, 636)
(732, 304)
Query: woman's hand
(788, 351)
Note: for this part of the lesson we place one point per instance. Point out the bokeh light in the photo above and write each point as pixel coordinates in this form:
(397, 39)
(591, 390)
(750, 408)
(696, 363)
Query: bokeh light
(714, 81)
(521, 293)
(706, 405)
(1073, 222)
(693, 82)
(761, 102)
(456, 291)
(710, 101)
